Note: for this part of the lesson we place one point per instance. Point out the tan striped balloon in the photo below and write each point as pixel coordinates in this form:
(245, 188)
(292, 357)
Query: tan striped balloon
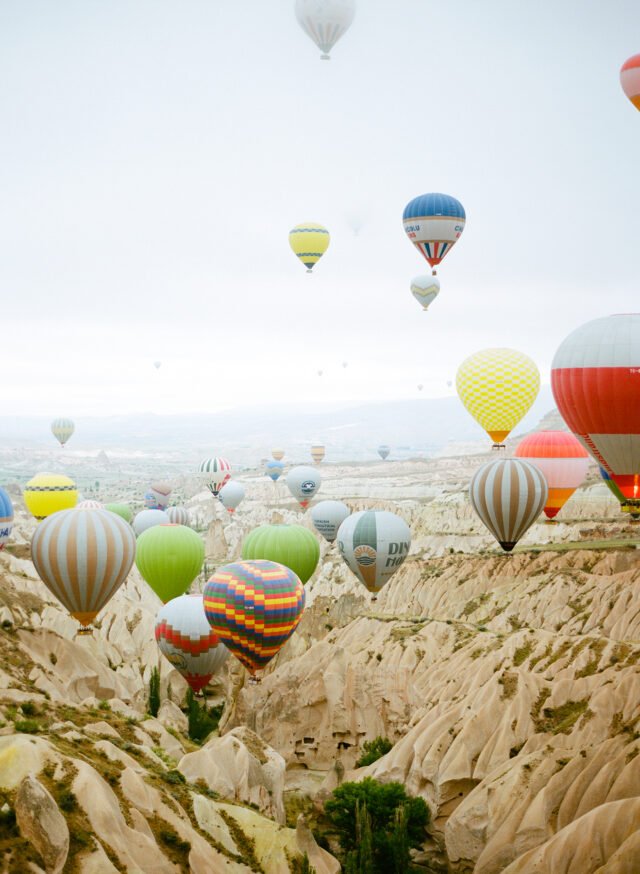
(83, 556)
(508, 494)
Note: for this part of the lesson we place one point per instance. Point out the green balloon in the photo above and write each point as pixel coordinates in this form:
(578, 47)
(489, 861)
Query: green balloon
(291, 545)
(123, 510)
(169, 557)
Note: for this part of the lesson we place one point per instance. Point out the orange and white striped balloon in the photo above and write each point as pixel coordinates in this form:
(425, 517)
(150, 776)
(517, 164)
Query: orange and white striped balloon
(630, 79)
(562, 460)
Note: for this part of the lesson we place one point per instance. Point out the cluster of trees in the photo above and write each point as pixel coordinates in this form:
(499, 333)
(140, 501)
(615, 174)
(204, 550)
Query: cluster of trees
(202, 720)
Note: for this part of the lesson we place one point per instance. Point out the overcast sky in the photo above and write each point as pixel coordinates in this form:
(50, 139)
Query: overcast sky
(155, 154)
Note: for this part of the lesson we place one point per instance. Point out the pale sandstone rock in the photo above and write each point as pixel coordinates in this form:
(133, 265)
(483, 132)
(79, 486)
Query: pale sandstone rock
(101, 729)
(171, 716)
(42, 824)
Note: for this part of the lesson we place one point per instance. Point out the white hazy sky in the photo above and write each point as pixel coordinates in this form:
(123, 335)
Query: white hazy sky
(155, 153)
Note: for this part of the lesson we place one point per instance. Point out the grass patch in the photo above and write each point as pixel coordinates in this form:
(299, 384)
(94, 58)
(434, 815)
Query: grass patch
(509, 683)
(522, 654)
(560, 720)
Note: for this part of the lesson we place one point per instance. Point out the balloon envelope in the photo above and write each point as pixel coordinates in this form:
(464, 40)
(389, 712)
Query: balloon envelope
(383, 451)
(309, 241)
(123, 510)
(508, 495)
(595, 379)
(254, 607)
(374, 543)
(48, 493)
(425, 289)
(327, 517)
(615, 491)
(291, 545)
(303, 482)
(277, 454)
(6, 517)
(562, 460)
(274, 469)
(83, 557)
(433, 223)
(325, 21)
(161, 491)
(62, 429)
(186, 639)
(215, 472)
(630, 79)
(498, 387)
(146, 519)
(178, 515)
(317, 452)
(169, 558)
(231, 495)
(90, 505)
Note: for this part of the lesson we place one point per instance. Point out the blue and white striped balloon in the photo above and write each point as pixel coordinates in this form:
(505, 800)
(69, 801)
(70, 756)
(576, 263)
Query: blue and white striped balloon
(6, 517)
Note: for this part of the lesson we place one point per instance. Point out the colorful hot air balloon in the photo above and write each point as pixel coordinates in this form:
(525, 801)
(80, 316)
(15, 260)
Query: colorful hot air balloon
(595, 379)
(215, 472)
(508, 494)
(6, 517)
(62, 429)
(425, 289)
(434, 223)
(123, 510)
(90, 505)
(498, 386)
(630, 79)
(178, 515)
(561, 459)
(274, 469)
(161, 491)
(231, 495)
(254, 607)
(150, 502)
(327, 517)
(317, 452)
(383, 451)
(374, 543)
(291, 545)
(83, 557)
(186, 639)
(169, 558)
(49, 493)
(277, 454)
(617, 494)
(309, 241)
(146, 519)
(303, 483)
(325, 21)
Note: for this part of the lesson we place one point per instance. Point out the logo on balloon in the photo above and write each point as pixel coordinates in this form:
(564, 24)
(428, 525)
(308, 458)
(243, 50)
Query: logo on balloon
(307, 487)
(365, 555)
(178, 660)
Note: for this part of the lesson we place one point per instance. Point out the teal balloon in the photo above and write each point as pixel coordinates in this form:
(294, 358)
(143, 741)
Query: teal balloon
(291, 545)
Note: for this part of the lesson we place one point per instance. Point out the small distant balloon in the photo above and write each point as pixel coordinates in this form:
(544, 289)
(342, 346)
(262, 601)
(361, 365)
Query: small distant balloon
(630, 79)
(6, 517)
(425, 289)
(157, 364)
(383, 451)
(325, 21)
(309, 241)
(434, 223)
(320, 372)
(345, 363)
(420, 386)
(231, 495)
(62, 429)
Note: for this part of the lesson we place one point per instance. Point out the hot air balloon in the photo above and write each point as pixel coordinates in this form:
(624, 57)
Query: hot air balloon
(303, 483)
(178, 515)
(595, 379)
(561, 459)
(161, 491)
(291, 545)
(498, 387)
(277, 454)
(425, 289)
(150, 502)
(123, 510)
(6, 517)
(62, 429)
(374, 543)
(345, 363)
(157, 364)
(83, 557)
(383, 451)
(49, 493)
(146, 519)
(186, 639)
(615, 491)
(508, 494)
(215, 472)
(169, 558)
(317, 452)
(309, 241)
(254, 607)
(434, 223)
(90, 505)
(327, 517)
(420, 386)
(273, 469)
(325, 21)
(320, 372)
(630, 79)
(231, 495)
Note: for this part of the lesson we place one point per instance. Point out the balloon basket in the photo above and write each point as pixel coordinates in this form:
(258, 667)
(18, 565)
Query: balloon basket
(254, 681)
(84, 630)
(498, 447)
(325, 57)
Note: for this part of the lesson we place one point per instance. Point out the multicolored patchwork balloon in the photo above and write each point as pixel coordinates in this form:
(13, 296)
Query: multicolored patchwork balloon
(254, 607)
(186, 639)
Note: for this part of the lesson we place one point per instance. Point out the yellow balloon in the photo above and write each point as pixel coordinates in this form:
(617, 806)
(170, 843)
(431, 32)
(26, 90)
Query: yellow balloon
(47, 493)
(498, 386)
(309, 242)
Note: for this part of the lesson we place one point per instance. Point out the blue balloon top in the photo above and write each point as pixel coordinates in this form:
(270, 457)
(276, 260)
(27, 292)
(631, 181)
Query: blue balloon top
(432, 205)
(6, 507)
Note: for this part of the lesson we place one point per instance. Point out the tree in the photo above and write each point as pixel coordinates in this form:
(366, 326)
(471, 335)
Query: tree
(201, 722)
(396, 823)
(154, 692)
(372, 750)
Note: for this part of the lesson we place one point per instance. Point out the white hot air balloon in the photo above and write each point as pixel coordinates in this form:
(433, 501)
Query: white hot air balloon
(303, 483)
(425, 289)
(325, 21)
(374, 543)
(147, 519)
(231, 495)
(328, 516)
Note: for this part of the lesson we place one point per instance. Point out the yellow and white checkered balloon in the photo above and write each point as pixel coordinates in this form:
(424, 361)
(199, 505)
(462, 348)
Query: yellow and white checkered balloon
(498, 386)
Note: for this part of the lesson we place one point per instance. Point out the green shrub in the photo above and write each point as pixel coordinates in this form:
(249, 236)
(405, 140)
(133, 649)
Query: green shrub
(29, 708)
(27, 726)
(154, 692)
(372, 750)
(201, 721)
